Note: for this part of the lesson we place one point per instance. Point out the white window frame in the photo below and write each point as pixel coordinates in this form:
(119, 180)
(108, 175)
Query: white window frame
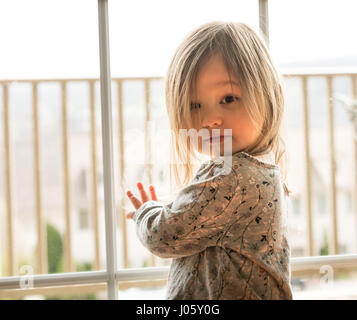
(112, 275)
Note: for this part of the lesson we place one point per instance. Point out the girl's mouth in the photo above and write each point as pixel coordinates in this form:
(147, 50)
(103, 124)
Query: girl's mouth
(218, 139)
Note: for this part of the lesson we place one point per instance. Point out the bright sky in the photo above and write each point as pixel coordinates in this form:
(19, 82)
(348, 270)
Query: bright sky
(59, 38)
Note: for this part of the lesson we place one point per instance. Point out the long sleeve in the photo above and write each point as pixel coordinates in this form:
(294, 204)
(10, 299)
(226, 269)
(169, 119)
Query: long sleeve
(226, 232)
(195, 220)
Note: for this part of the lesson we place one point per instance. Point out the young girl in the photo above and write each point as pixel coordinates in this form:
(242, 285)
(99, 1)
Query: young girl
(226, 230)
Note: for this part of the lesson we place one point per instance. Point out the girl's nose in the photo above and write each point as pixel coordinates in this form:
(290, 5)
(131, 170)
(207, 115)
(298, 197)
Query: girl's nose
(212, 119)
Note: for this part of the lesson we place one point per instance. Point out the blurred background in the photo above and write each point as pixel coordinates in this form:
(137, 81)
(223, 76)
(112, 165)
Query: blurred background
(51, 175)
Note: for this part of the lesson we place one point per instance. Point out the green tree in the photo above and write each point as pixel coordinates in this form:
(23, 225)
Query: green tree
(54, 249)
(324, 249)
(55, 262)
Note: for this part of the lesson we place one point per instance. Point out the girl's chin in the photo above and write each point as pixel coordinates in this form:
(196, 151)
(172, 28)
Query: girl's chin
(216, 149)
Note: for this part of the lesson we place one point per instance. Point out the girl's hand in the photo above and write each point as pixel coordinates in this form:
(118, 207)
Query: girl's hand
(144, 197)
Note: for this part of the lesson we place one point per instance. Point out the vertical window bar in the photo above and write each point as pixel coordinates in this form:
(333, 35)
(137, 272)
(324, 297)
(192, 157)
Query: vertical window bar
(264, 20)
(107, 141)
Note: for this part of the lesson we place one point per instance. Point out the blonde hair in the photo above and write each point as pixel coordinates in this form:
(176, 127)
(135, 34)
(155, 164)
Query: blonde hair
(246, 56)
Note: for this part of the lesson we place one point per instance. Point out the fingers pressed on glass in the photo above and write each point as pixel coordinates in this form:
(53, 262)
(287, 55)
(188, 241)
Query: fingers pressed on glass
(153, 192)
(134, 200)
(130, 215)
(143, 194)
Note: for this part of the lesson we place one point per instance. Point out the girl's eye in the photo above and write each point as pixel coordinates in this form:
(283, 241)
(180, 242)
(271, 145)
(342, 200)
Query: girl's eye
(228, 99)
(195, 106)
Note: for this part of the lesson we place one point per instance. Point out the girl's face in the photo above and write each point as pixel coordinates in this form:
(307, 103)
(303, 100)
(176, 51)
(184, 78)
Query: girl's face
(220, 105)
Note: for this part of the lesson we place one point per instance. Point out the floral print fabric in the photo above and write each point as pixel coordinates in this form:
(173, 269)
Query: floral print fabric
(225, 232)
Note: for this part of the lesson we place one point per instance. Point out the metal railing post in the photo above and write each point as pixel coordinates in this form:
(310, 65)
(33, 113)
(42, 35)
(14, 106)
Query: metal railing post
(41, 226)
(333, 237)
(94, 194)
(354, 95)
(308, 189)
(68, 263)
(10, 245)
(121, 147)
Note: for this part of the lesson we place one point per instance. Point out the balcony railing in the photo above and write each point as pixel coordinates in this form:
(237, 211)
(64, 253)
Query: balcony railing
(127, 276)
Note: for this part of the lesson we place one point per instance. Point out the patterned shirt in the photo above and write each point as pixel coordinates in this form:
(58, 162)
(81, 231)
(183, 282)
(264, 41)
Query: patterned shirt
(226, 233)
